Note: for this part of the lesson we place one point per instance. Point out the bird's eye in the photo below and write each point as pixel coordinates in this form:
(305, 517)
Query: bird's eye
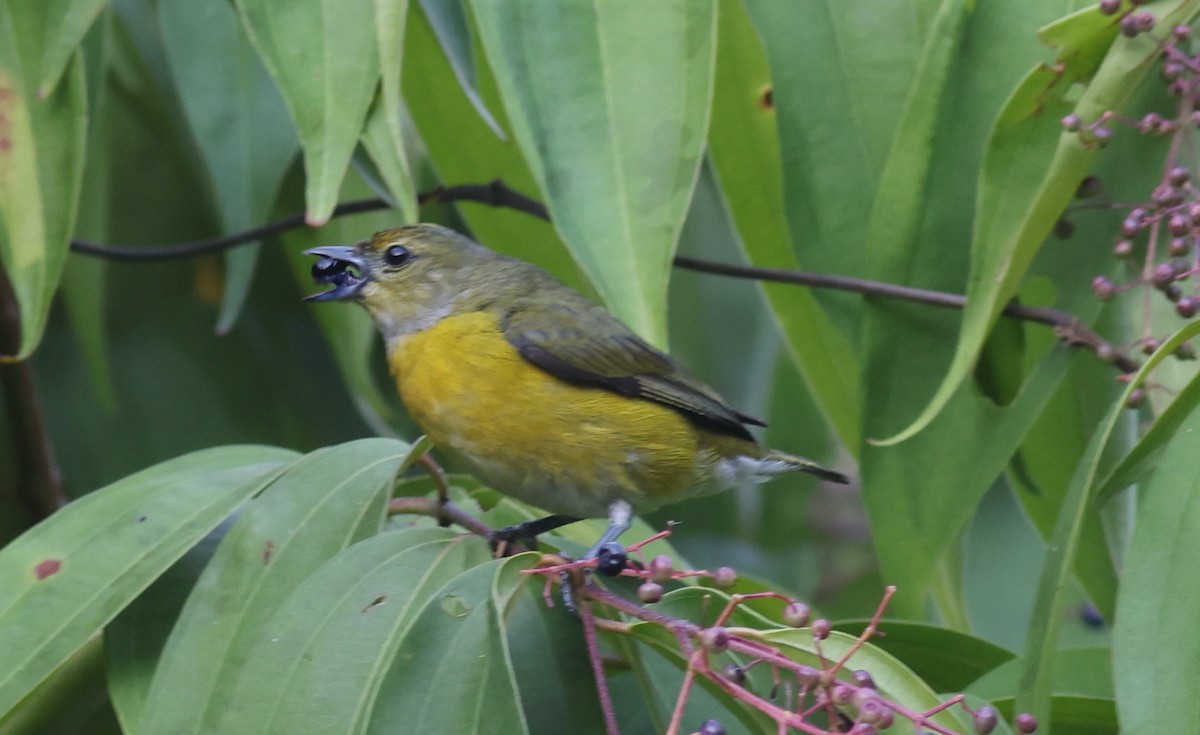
(396, 255)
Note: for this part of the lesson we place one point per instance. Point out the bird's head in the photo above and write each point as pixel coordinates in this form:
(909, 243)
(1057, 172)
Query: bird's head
(408, 278)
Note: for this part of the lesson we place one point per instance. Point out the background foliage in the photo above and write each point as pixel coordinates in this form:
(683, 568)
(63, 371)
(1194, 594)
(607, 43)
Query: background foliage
(914, 143)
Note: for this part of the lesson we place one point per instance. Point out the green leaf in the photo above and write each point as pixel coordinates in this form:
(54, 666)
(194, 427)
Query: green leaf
(448, 19)
(69, 575)
(457, 644)
(744, 148)
(41, 163)
(1155, 652)
(946, 660)
(318, 506)
(463, 149)
(324, 56)
(1032, 169)
(239, 122)
(384, 133)
(616, 161)
(1035, 685)
(321, 672)
(1079, 672)
(63, 23)
(66, 700)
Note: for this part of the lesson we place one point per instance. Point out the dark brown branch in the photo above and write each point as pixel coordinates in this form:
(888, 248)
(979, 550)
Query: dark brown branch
(1067, 326)
(498, 194)
(39, 481)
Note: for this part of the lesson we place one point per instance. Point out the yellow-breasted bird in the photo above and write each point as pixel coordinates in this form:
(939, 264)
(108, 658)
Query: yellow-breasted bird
(542, 394)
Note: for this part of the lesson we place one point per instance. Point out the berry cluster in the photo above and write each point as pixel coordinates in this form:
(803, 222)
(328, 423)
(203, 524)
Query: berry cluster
(1164, 230)
(802, 695)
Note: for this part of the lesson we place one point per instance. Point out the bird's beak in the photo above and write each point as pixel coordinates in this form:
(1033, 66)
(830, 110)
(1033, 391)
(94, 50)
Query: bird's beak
(339, 266)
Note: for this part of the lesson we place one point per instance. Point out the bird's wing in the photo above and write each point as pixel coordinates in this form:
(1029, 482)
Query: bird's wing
(581, 343)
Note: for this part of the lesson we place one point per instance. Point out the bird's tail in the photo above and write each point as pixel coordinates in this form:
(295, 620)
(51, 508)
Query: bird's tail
(774, 462)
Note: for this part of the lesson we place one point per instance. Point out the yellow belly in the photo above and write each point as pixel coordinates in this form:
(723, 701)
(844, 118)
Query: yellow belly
(566, 448)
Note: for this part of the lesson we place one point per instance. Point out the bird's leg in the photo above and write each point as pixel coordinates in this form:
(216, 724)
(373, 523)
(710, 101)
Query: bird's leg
(620, 518)
(529, 530)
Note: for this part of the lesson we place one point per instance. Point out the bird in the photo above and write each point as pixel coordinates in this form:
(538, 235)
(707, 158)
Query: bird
(539, 392)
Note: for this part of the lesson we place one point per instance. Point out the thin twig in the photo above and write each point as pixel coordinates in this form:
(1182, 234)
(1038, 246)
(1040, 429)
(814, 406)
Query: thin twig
(593, 651)
(496, 193)
(432, 507)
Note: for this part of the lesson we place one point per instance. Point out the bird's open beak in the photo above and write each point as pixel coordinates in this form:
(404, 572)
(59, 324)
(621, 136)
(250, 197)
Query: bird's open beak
(339, 266)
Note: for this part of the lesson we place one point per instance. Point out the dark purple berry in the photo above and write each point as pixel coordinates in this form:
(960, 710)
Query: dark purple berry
(1025, 723)
(1110, 7)
(1072, 122)
(1181, 33)
(1179, 246)
(1144, 20)
(1185, 351)
(1106, 352)
(1063, 228)
(1173, 292)
(1089, 187)
(1102, 135)
(1149, 346)
(1123, 249)
(984, 720)
(1136, 398)
(1194, 213)
(842, 694)
(1187, 306)
(1151, 121)
(863, 678)
(1164, 274)
(1173, 70)
(1129, 26)
(610, 559)
(807, 675)
(1130, 226)
(1178, 225)
(712, 727)
(735, 673)
(1178, 175)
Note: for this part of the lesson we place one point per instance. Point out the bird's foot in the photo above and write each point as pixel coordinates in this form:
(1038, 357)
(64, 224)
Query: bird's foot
(525, 534)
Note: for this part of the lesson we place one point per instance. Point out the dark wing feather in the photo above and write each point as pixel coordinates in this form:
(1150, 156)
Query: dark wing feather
(580, 342)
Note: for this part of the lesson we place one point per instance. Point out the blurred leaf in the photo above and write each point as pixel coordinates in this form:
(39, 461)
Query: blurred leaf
(1156, 654)
(239, 122)
(318, 506)
(946, 660)
(1079, 672)
(384, 131)
(1145, 457)
(907, 346)
(1032, 168)
(66, 700)
(464, 150)
(550, 661)
(134, 640)
(41, 160)
(321, 673)
(744, 148)
(69, 575)
(1035, 685)
(324, 56)
(448, 19)
(457, 644)
(63, 23)
(617, 162)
